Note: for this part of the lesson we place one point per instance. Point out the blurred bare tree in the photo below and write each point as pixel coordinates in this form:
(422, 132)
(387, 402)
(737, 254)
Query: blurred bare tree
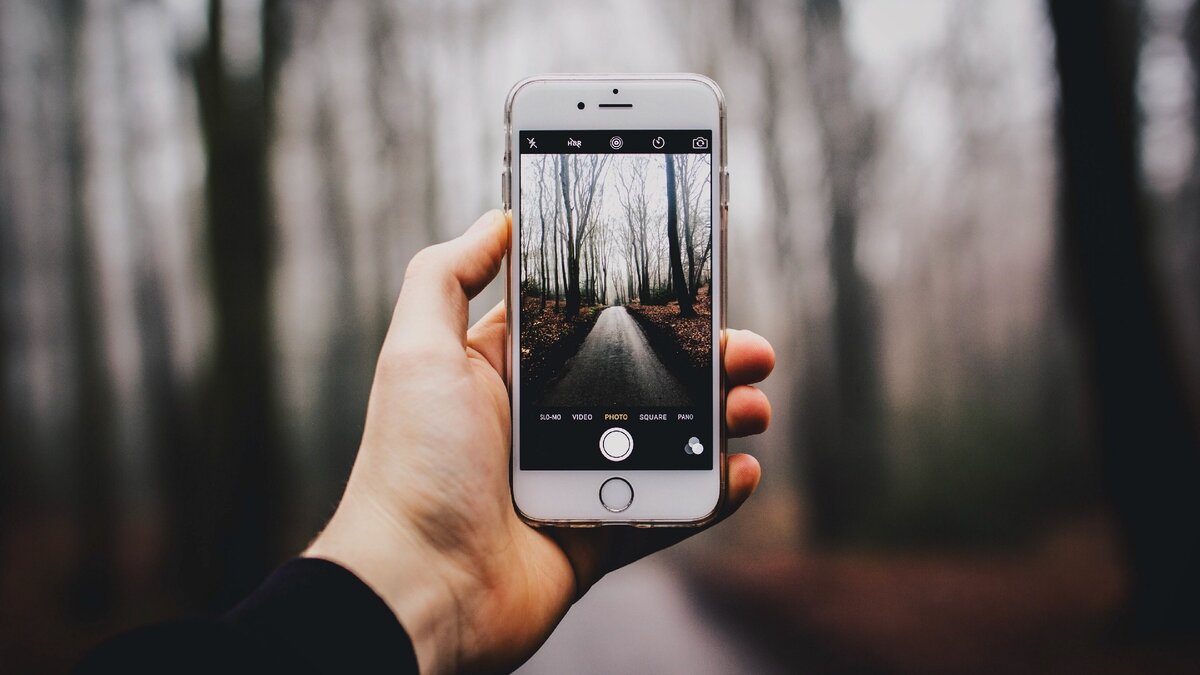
(235, 498)
(93, 436)
(842, 415)
(1148, 444)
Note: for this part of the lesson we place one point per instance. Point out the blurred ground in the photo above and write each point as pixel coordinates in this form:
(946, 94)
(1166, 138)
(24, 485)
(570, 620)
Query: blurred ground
(1053, 608)
(645, 619)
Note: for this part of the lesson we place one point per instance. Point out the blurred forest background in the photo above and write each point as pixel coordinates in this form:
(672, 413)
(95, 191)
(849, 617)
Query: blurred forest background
(971, 230)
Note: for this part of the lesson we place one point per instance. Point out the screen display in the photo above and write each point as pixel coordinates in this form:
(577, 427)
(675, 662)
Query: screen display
(614, 261)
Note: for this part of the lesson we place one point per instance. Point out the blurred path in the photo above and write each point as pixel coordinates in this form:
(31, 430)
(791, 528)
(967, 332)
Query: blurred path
(642, 620)
(616, 365)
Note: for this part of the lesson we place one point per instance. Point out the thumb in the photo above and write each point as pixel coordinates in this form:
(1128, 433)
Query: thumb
(441, 280)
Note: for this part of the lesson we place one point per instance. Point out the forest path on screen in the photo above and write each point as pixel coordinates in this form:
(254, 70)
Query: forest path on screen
(616, 365)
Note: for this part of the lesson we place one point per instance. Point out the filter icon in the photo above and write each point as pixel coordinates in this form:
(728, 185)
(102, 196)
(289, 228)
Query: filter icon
(693, 447)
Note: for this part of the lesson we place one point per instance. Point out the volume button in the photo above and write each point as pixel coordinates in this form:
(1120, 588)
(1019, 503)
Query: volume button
(724, 188)
(505, 189)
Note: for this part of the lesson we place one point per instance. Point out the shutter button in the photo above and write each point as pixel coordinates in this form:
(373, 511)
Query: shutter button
(616, 444)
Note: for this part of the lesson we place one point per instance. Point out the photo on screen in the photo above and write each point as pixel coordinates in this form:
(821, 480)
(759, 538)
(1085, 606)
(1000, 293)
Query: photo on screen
(616, 280)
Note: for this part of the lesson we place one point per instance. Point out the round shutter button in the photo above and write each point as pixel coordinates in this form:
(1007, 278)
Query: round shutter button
(616, 444)
(616, 494)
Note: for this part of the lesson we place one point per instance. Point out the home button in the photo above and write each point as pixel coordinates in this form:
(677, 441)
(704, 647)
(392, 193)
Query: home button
(616, 494)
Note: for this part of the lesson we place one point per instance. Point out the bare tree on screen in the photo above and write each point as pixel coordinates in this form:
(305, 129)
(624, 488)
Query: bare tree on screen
(578, 203)
(700, 221)
(632, 197)
(686, 166)
(679, 283)
(542, 257)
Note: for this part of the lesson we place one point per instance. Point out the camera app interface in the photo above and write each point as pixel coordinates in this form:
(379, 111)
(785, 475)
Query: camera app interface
(616, 332)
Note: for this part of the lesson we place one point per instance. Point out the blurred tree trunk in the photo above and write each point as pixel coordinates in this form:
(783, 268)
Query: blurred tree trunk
(13, 440)
(1186, 225)
(1151, 457)
(93, 438)
(341, 395)
(842, 407)
(240, 503)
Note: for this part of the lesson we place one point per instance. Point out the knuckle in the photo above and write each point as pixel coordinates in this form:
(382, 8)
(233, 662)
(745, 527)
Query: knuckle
(429, 260)
(422, 262)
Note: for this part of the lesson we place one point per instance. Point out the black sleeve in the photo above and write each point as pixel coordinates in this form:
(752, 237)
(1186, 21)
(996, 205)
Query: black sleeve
(310, 616)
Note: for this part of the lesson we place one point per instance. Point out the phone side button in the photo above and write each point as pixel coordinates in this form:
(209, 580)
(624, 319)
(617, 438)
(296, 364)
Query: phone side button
(616, 494)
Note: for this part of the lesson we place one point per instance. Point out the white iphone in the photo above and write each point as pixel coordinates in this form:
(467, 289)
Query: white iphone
(616, 286)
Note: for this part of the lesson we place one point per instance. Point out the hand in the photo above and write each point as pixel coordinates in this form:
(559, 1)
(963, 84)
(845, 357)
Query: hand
(427, 520)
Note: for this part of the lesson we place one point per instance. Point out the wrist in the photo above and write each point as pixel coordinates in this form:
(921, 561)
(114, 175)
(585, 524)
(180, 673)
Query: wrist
(423, 590)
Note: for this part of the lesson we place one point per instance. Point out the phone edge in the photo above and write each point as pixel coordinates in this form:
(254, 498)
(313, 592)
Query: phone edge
(723, 204)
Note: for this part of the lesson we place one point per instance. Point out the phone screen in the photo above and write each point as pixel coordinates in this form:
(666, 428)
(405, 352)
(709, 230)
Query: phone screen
(615, 261)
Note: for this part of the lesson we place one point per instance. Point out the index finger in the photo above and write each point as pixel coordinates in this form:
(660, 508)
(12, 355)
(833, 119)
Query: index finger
(749, 358)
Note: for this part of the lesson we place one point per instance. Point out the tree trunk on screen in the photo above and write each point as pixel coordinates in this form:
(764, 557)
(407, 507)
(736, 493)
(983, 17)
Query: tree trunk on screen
(560, 270)
(632, 195)
(580, 219)
(244, 491)
(843, 406)
(1150, 453)
(557, 266)
(544, 282)
(644, 278)
(679, 285)
(685, 194)
(593, 271)
(604, 276)
(572, 305)
(589, 258)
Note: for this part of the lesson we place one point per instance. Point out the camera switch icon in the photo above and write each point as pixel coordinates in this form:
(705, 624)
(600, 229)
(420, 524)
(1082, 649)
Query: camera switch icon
(699, 143)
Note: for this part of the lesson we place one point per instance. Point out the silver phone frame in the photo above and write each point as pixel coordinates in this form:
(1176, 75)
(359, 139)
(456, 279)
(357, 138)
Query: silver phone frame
(509, 187)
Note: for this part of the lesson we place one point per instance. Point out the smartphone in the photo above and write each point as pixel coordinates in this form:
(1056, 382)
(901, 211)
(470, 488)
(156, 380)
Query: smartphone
(618, 190)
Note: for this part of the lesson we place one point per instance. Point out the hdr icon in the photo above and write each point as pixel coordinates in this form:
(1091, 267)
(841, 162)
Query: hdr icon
(574, 143)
